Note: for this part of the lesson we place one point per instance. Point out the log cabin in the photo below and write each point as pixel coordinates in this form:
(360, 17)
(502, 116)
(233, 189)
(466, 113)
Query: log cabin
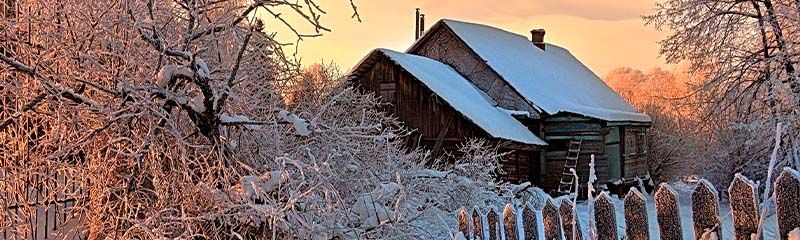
(534, 99)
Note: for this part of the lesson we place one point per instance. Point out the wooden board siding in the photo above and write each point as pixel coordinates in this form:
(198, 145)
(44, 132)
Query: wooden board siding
(520, 166)
(614, 153)
(435, 120)
(444, 46)
(414, 104)
(634, 142)
(558, 131)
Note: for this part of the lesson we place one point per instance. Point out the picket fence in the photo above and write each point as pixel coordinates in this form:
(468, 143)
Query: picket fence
(743, 200)
(42, 212)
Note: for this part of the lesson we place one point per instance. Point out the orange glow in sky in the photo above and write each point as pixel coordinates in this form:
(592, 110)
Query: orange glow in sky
(603, 34)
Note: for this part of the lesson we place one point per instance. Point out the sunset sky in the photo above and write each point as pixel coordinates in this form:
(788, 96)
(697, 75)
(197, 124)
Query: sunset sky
(603, 34)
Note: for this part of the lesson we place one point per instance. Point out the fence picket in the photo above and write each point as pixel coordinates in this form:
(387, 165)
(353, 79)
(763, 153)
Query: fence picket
(668, 213)
(557, 221)
(493, 220)
(567, 217)
(551, 221)
(636, 216)
(605, 217)
(510, 222)
(531, 227)
(477, 224)
(787, 200)
(744, 207)
(705, 211)
(463, 222)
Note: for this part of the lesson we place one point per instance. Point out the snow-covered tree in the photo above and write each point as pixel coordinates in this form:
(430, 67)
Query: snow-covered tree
(170, 118)
(746, 53)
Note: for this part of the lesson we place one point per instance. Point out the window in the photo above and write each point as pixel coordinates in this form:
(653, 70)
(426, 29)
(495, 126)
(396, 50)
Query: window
(635, 141)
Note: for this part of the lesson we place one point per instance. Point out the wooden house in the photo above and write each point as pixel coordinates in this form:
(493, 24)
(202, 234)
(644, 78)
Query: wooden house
(461, 80)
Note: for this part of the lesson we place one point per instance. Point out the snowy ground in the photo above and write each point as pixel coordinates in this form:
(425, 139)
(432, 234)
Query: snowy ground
(685, 191)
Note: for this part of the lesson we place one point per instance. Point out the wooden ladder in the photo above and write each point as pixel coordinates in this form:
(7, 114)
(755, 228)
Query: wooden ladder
(567, 182)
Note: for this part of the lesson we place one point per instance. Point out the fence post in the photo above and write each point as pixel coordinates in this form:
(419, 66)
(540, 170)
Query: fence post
(787, 201)
(463, 222)
(477, 224)
(668, 214)
(636, 216)
(605, 217)
(705, 211)
(529, 222)
(567, 217)
(744, 207)
(493, 221)
(551, 221)
(510, 222)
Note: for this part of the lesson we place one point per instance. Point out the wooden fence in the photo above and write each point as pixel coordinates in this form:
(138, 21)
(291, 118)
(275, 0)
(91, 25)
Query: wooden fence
(45, 210)
(557, 221)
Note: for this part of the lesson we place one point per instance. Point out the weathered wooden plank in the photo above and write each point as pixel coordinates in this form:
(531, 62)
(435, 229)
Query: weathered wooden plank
(569, 222)
(566, 127)
(705, 210)
(531, 228)
(477, 224)
(493, 220)
(510, 222)
(668, 213)
(463, 222)
(636, 216)
(568, 117)
(744, 207)
(605, 217)
(551, 221)
(787, 200)
(586, 138)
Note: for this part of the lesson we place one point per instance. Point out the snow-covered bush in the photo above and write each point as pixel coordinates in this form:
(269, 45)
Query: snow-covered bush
(170, 118)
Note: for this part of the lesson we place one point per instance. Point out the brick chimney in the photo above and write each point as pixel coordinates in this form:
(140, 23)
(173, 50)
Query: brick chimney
(537, 37)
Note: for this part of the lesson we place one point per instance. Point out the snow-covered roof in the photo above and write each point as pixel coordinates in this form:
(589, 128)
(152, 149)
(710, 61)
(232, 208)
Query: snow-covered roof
(464, 97)
(551, 79)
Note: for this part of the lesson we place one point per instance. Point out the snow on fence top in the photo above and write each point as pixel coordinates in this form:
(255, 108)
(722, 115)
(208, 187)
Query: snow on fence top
(464, 97)
(664, 216)
(552, 79)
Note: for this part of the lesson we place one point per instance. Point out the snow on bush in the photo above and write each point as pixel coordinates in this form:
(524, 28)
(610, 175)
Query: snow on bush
(188, 121)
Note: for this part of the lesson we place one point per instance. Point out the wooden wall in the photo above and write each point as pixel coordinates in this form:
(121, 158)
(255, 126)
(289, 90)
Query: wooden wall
(559, 130)
(444, 46)
(416, 105)
(442, 127)
(634, 155)
(607, 141)
(437, 124)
